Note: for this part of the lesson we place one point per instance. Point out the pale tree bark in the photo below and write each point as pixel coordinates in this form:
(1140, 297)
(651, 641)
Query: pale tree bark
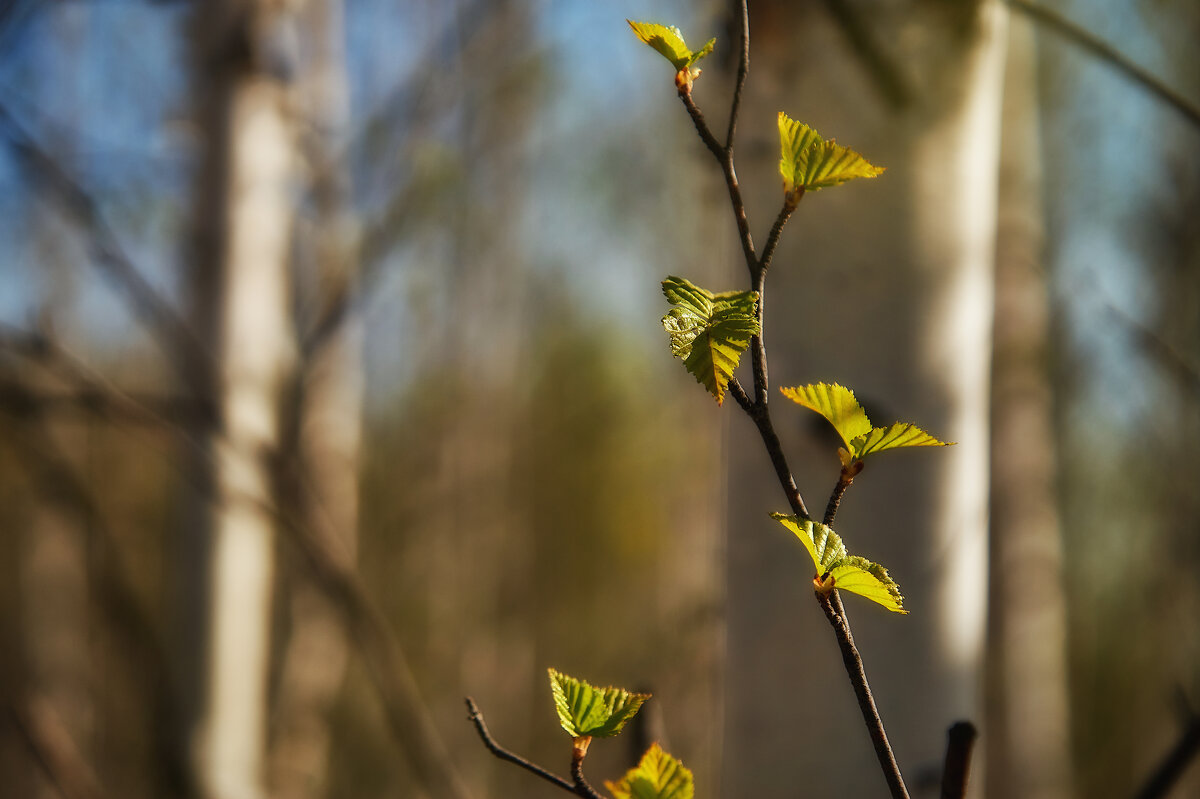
(885, 286)
(1027, 743)
(251, 161)
(321, 472)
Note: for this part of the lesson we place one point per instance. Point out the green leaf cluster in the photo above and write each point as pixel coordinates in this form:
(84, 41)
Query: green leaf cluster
(709, 332)
(841, 408)
(586, 711)
(836, 568)
(656, 776)
(808, 162)
(668, 41)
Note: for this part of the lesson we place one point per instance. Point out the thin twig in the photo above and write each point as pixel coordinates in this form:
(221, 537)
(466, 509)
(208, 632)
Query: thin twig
(785, 213)
(1110, 55)
(960, 741)
(831, 603)
(739, 394)
(740, 83)
(758, 410)
(725, 159)
(499, 751)
(835, 497)
(761, 416)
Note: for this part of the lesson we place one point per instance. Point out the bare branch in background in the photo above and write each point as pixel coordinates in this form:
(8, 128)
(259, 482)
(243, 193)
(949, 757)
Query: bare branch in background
(1169, 771)
(1158, 349)
(882, 69)
(51, 746)
(84, 390)
(52, 475)
(1109, 55)
(181, 346)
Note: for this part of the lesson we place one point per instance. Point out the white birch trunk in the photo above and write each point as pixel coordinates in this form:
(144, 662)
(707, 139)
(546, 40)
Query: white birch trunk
(255, 353)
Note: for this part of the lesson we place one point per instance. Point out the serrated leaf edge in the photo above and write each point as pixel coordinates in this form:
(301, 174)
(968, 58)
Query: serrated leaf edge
(608, 728)
(721, 313)
(828, 553)
(799, 142)
(624, 787)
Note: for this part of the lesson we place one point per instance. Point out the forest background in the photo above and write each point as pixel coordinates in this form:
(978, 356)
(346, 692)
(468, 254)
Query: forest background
(333, 389)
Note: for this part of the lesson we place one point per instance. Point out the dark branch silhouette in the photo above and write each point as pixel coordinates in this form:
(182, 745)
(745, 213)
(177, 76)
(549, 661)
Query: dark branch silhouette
(960, 741)
(1109, 55)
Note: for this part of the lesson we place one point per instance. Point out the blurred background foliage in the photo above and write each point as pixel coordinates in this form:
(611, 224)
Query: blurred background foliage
(481, 202)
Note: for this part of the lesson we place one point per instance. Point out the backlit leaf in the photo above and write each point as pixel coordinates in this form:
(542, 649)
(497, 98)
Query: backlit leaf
(835, 568)
(668, 41)
(808, 163)
(587, 711)
(861, 576)
(841, 408)
(709, 332)
(900, 434)
(656, 776)
(837, 404)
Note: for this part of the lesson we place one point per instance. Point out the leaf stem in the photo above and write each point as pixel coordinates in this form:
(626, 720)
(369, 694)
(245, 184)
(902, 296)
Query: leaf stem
(582, 788)
(836, 614)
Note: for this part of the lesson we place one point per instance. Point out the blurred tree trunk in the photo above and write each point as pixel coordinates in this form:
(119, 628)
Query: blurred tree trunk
(885, 286)
(1027, 740)
(319, 467)
(244, 218)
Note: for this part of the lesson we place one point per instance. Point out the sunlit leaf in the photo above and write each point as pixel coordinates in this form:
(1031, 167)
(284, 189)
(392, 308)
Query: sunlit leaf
(837, 404)
(837, 569)
(841, 408)
(587, 711)
(808, 163)
(865, 578)
(656, 776)
(709, 332)
(668, 41)
(900, 434)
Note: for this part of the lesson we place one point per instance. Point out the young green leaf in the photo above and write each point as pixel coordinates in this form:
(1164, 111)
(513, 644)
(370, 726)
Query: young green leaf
(900, 434)
(656, 776)
(668, 41)
(842, 409)
(808, 162)
(837, 569)
(837, 404)
(709, 332)
(587, 711)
